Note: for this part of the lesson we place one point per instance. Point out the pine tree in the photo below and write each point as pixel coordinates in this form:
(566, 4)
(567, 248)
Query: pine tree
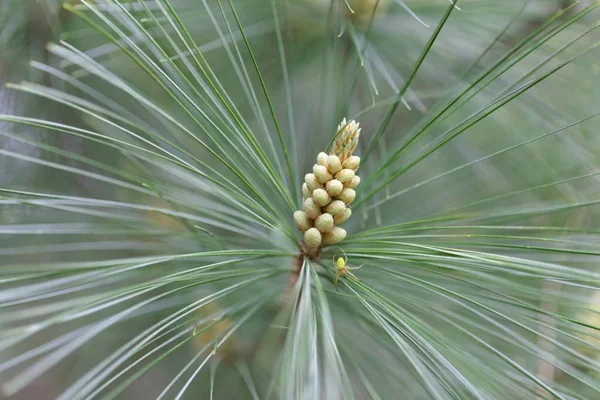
(173, 191)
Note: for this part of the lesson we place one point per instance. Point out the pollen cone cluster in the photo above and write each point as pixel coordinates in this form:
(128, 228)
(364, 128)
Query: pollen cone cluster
(328, 191)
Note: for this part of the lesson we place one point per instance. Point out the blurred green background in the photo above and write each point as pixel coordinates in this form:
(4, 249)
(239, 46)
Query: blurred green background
(331, 74)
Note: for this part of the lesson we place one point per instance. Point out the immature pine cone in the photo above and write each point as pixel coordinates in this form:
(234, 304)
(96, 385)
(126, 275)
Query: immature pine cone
(329, 190)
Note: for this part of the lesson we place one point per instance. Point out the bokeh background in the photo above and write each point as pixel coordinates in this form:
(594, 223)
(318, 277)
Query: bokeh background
(331, 74)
